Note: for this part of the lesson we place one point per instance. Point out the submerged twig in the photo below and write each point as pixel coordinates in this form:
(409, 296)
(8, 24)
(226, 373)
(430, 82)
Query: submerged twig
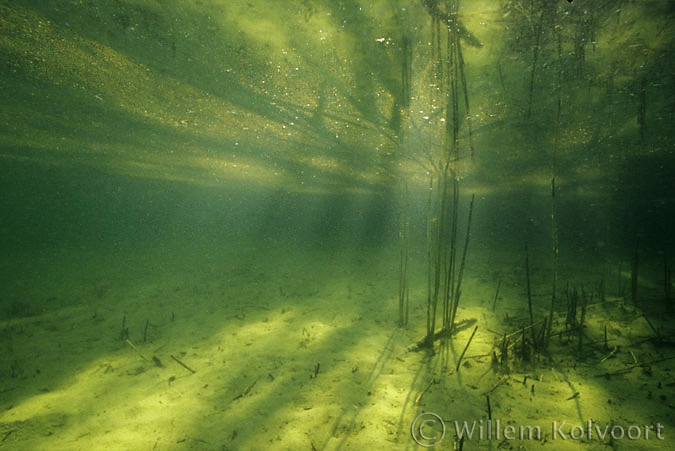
(629, 368)
(461, 356)
(183, 365)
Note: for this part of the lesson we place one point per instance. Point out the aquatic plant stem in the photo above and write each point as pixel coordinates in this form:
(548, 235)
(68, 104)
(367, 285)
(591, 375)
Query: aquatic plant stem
(554, 279)
(458, 289)
(529, 294)
(634, 276)
(403, 290)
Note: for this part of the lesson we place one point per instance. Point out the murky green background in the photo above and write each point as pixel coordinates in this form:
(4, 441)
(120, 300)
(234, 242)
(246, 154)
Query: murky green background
(159, 153)
(124, 120)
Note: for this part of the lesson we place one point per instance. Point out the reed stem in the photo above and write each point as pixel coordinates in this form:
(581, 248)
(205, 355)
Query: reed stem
(582, 320)
(458, 289)
(634, 276)
(403, 289)
(494, 301)
(554, 281)
(529, 294)
(667, 281)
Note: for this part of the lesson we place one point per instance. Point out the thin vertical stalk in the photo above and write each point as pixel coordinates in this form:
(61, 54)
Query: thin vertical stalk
(535, 59)
(634, 276)
(582, 320)
(529, 295)
(430, 225)
(434, 255)
(494, 301)
(404, 233)
(667, 280)
(450, 270)
(458, 290)
(460, 61)
(554, 281)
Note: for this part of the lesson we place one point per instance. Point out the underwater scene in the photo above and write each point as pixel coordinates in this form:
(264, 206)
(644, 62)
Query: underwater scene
(337, 225)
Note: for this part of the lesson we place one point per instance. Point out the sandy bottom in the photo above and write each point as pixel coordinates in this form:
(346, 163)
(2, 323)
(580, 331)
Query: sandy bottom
(177, 348)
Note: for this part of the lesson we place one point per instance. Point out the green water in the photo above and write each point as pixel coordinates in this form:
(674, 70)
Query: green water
(222, 182)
